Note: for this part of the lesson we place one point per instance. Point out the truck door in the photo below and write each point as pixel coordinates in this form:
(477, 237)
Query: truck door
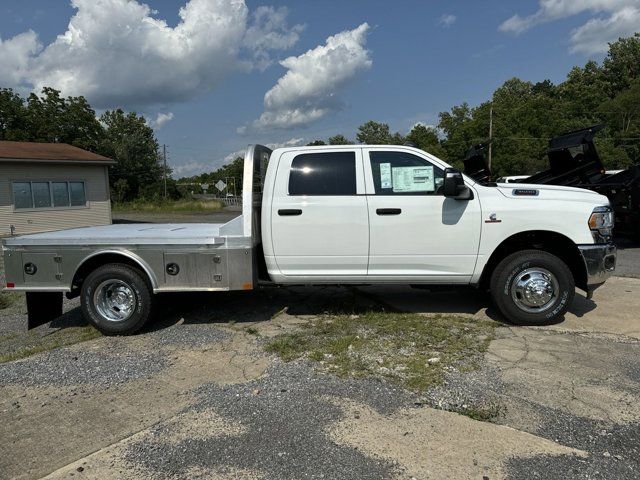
(415, 232)
(320, 225)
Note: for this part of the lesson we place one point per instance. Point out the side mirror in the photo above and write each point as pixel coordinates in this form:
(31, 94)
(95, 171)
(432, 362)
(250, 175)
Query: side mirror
(454, 186)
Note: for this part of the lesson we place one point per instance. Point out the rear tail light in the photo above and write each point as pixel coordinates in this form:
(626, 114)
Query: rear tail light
(10, 284)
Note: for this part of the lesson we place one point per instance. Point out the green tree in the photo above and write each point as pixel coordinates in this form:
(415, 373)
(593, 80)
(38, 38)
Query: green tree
(622, 63)
(316, 143)
(339, 140)
(375, 133)
(52, 118)
(13, 116)
(131, 142)
(426, 138)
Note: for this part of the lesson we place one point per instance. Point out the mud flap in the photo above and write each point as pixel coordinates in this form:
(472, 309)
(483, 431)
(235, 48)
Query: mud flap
(42, 307)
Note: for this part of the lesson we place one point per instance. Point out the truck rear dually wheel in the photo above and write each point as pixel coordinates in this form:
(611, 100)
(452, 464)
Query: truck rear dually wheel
(532, 287)
(116, 299)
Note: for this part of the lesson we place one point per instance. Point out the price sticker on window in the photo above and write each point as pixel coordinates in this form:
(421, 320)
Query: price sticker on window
(413, 179)
(385, 175)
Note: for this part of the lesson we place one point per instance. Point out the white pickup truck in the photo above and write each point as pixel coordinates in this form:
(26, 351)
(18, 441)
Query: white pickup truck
(354, 214)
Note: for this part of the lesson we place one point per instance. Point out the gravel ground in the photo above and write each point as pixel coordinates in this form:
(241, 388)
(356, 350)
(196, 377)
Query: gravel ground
(111, 364)
(614, 451)
(285, 413)
(628, 258)
(188, 336)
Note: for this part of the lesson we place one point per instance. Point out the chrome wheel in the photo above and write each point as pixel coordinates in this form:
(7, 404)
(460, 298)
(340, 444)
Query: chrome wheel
(114, 300)
(534, 290)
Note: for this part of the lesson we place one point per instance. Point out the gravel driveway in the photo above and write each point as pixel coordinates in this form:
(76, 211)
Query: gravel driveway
(196, 396)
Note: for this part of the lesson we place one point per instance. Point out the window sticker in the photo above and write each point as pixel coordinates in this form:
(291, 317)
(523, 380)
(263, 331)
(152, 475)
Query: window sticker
(385, 175)
(413, 179)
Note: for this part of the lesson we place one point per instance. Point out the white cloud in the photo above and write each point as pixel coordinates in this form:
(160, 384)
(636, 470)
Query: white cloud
(115, 52)
(161, 120)
(309, 90)
(615, 18)
(15, 54)
(270, 31)
(447, 20)
(190, 168)
(292, 142)
(195, 167)
(593, 36)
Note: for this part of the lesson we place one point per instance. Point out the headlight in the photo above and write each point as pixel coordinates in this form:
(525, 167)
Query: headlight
(601, 223)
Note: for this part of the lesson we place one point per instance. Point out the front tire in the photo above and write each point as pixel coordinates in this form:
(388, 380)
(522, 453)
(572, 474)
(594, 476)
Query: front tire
(532, 287)
(116, 299)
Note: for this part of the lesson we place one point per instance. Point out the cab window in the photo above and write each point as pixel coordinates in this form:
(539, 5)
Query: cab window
(403, 173)
(330, 173)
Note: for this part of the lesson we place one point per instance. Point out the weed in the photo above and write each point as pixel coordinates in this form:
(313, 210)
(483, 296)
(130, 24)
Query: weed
(14, 347)
(184, 205)
(413, 350)
(8, 299)
(482, 413)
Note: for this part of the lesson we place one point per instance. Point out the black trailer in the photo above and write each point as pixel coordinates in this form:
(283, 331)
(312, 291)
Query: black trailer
(574, 161)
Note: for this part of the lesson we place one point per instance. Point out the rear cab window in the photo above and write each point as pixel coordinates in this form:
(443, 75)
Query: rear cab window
(323, 173)
(403, 173)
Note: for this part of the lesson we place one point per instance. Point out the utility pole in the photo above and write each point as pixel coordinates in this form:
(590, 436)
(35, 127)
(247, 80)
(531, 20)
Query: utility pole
(490, 133)
(164, 156)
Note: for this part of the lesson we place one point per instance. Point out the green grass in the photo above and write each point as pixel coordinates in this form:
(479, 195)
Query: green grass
(184, 205)
(8, 299)
(16, 345)
(396, 346)
(483, 413)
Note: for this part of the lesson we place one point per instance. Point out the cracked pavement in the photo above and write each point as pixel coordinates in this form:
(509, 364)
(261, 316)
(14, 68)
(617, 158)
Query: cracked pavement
(205, 401)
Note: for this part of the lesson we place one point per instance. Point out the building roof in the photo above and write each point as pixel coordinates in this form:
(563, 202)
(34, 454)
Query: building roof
(48, 152)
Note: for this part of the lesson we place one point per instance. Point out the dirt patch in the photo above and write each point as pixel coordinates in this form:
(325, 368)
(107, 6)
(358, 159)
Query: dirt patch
(44, 427)
(430, 443)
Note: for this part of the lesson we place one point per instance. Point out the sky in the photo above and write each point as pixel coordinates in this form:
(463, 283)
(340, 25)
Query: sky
(212, 76)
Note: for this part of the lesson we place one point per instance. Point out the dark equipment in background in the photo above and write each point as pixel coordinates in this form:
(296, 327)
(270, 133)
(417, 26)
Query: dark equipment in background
(475, 164)
(574, 161)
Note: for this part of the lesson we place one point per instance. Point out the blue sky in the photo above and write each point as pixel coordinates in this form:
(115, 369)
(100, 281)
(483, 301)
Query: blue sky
(201, 80)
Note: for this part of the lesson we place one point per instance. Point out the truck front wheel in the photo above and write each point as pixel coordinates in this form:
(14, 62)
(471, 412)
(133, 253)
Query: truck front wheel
(116, 299)
(532, 287)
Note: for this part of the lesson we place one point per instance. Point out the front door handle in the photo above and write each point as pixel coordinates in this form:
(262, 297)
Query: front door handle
(289, 212)
(388, 211)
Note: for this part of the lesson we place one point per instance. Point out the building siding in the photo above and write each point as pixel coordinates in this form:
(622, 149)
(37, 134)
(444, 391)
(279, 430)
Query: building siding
(97, 212)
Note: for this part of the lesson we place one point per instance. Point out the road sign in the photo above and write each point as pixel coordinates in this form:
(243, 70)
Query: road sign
(221, 185)
(205, 186)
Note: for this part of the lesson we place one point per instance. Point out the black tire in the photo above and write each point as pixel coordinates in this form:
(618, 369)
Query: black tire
(132, 285)
(504, 287)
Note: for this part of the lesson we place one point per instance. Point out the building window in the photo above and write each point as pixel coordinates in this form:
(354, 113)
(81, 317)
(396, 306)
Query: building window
(48, 194)
(331, 173)
(22, 195)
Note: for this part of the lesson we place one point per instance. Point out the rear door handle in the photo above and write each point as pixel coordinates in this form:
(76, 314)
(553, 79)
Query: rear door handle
(388, 211)
(289, 212)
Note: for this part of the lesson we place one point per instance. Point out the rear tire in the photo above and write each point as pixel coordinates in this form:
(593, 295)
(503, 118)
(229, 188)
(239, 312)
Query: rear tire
(532, 287)
(116, 299)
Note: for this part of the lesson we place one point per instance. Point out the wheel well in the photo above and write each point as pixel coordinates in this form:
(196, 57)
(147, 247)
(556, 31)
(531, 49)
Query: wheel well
(551, 242)
(96, 261)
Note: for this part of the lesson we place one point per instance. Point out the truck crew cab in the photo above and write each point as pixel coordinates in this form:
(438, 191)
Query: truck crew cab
(355, 214)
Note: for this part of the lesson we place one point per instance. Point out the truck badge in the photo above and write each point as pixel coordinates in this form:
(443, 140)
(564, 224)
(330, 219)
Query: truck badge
(493, 218)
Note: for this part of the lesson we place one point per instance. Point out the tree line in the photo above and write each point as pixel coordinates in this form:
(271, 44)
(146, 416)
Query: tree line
(124, 137)
(526, 115)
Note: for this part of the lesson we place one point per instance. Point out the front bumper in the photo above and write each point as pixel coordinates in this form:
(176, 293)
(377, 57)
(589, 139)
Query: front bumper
(600, 263)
